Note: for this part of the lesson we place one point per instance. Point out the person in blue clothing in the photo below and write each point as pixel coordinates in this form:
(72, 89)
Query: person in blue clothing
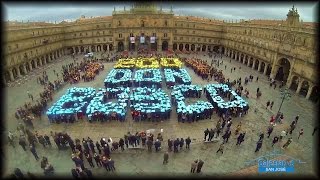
(34, 152)
(157, 145)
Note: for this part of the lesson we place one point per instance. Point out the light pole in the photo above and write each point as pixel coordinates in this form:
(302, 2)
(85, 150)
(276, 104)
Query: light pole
(285, 95)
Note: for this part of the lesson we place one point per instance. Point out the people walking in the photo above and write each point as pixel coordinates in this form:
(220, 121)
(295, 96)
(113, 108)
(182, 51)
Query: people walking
(181, 143)
(200, 164)
(268, 103)
(275, 140)
(170, 144)
(23, 143)
(282, 134)
(314, 130)
(270, 129)
(34, 152)
(206, 132)
(221, 148)
(194, 165)
(188, 141)
(165, 157)
(300, 133)
(271, 105)
(97, 158)
(285, 146)
(259, 145)
(89, 159)
(47, 140)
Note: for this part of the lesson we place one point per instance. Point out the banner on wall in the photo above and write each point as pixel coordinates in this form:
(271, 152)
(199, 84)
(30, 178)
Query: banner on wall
(132, 40)
(152, 39)
(142, 39)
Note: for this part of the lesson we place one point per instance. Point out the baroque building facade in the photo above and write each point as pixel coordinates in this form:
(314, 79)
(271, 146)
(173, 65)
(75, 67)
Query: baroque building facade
(283, 50)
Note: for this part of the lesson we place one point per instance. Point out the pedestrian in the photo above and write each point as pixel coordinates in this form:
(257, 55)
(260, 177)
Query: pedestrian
(97, 158)
(98, 147)
(211, 135)
(282, 134)
(270, 129)
(292, 127)
(47, 139)
(149, 144)
(257, 79)
(287, 143)
(200, 164)
(91, 144)
(165, 157)
(228, 136)
(261, 136)
(268, 103)
(89, 159)
(296, 119)
(176, 143)
(181, 143)
(300, 133)
(42, 141)
(206, 132)
(111, 164)
(34, 152)
(275, 140)
(221, 148)
(23, 143)
(259, 145)
(314, 130)
(271, 105)
(18, 173)
(239, 139)
(121, 144)
(188, 141)
(194, 165)
(157, 145)
(170, 144)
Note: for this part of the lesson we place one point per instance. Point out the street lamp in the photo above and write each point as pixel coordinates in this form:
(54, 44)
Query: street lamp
(285, 94)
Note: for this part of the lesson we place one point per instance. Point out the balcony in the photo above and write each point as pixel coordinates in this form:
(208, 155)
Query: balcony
(165, 38)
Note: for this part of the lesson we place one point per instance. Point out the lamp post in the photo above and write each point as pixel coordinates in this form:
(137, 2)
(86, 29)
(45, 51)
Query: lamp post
(285, 94)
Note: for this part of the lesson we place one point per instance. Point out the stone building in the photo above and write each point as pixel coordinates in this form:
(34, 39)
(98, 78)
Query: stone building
(284, 50)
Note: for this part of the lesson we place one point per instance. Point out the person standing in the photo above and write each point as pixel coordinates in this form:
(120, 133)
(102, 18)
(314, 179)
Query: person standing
(206, 132)
(275, 140)
(259, 145)
(271, 105)
(194, 165)
(228, 136)
(268, 103)
(89, 159)
(181, 143)
(221, 148)
(111, 164)
(283, 134)
(270, 129)
(149, 144)
(165, 157)
(157, 145)
(97, 159)
(170, 144)
(211, 134)
(175, 145)
(98, 147)
(239, 139)
(300, 133)
(261, 136)
(121, 144)
(314, 130)
(287, 143)
(23, 143)
(188, 141)
(199, 167)
(34, 152)
(47, 139)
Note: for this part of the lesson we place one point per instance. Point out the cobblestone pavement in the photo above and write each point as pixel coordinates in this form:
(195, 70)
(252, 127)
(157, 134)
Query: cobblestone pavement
(140, 161)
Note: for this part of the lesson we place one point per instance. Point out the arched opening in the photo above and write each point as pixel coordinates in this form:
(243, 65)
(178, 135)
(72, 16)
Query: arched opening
(294, 83)
(180, 47)
(47, 58)
(38, 62)
(204, 47)
(269, 68)
(77, 50)
(165, 46)
(186, 47)
(198, 48)
(175, 46)
(51, 56)
(241, 58)
(110, 47)
(7, 76)
(315, 94)
(120, 46)
(33, 65)
(215, 49)
(256, 65)
(21, 70)
(193, 47)
(27, 67)
(154, 46)
(105, 47)
(93, 48)
(223, 50)
(284, 70)
(251, 62)
(70, 50)
(82, 49)
(262, 67)
(304, 88)
(246, 60)
(42, 60)
(98, 48)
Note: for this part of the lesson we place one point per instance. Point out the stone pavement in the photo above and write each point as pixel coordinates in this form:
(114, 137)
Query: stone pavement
(140, 161)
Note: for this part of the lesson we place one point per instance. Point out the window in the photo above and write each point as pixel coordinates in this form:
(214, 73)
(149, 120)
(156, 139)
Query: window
(181, 38)
(210, 40)
(175, 38)
(38, 32)
(175, 24)
(98, 33)
(80, 34)
(17, 46)
(165, 35)
(104, 39)
(110, 39)
(80, 41)
(165, 23)
(154, 34)
(98, 26)
(131, 34)
(31, 53)
(193, 32)
(198, 39)
(32, 33)
(103, 32)
(109, 25)
(175, 31)
(194, 25)
(36, 51)
(86, 34)
(75, 35)
(98, 40)
(9, 48)
(187, 25)
(120, 35)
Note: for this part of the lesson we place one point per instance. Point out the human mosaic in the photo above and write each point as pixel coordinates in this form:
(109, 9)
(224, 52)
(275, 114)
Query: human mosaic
(137, 84)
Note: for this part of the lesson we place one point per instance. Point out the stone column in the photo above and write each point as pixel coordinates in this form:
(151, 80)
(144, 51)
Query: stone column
(239, 57)
(40, 61)
(74, 50)
(35, 64)
(254, 63)
(18, 71)
(248, 63)
(24, 68)
(236, 56)
(309, 91)
(299, 86)
(11, 75)
(44, 60)
(225, 51)
(30, 65)
(265, 69)
(289, 82)
(259, 66)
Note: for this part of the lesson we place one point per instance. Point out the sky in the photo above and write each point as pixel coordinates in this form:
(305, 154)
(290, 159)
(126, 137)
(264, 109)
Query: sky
(51, 12)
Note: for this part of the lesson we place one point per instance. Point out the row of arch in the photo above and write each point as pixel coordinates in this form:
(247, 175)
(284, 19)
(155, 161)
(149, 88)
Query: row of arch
(194, 47)
(281, 72)
(26, 67)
